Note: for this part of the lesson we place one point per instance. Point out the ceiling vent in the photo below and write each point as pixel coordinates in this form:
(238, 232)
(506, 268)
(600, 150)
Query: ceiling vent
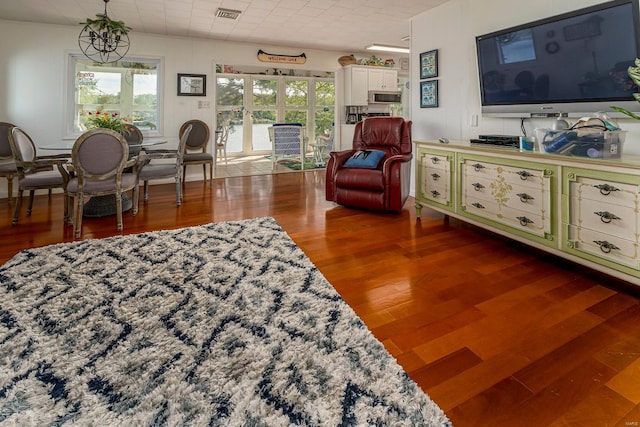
(228, 13)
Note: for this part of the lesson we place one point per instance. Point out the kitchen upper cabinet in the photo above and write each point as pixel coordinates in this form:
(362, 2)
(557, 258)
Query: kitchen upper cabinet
(356, 86)
(383, 79)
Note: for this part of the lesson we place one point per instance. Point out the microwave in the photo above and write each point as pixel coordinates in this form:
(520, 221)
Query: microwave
(384, 97)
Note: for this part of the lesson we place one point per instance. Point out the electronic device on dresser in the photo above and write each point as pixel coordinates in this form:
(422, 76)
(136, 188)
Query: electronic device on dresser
(500, 140)
(574, 63)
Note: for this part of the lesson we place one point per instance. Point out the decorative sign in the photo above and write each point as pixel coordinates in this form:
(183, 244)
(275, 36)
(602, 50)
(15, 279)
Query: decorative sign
(287, 59)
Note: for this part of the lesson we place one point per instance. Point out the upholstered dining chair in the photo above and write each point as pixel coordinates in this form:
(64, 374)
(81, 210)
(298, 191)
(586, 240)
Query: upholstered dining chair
(161, 169)
(100, 157)
(134, 138)
(196, 149)
(36, 172)
(7, 164)
(376, 173)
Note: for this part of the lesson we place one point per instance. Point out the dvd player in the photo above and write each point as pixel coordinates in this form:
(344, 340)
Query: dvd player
(500, 140)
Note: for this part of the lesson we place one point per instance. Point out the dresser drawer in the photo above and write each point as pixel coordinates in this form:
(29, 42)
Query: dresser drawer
(605, 246)
(606, 218)
(531, 222)
(608, 192)
(509, 174)
(515, 196)
(435, 161)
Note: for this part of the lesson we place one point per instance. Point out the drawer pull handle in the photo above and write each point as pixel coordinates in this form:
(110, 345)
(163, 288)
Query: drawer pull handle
(477, 205)
(524, 175)
(435, 194)
(605, 246)
(524, 221)
(435, 160)
(477, 167)
(435, 176)
(524, 197)
(606, 217)
(606, 189)
(477, 186)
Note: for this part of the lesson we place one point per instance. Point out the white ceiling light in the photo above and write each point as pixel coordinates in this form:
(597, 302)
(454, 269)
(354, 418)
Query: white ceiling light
(385, 48)
(228, 13)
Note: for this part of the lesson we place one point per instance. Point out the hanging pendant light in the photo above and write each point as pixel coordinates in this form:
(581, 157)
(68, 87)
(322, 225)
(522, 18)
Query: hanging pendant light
(104, 40)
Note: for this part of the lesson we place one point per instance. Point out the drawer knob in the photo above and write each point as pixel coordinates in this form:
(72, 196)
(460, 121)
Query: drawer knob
(477, 205)
(524, 197)
(524, 175)
(477, 186)
(435, 160)
(477, 167)
(524, 221)
(435, 176)
(605, 246)
(435, 194)
(606, 217)
(606, 189)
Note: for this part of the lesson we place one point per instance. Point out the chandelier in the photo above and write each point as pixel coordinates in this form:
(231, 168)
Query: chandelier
(103, 39)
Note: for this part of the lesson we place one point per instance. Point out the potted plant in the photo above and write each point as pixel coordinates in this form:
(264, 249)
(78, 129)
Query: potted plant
(634, 74)
(103, 23)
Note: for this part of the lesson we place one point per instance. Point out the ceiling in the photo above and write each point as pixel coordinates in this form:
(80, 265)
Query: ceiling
(338, 25)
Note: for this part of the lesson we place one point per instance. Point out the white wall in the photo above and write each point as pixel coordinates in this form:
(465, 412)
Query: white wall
(451, 28)
(33, 67)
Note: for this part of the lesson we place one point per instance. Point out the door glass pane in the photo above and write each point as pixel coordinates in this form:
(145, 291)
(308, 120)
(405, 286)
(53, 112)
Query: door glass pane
(297, 93)
(262, 119)
(235, 117)
(229, 103)
(265, 92)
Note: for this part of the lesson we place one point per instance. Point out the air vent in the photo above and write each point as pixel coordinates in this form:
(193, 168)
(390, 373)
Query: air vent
(228, 13)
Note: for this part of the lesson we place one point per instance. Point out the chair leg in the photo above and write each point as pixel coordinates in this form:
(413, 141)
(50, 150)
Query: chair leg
(146, 191)
(9, 188)
(211, 171)
(30, 204)
(16, 209)
(178, 191)
(66, 207)
(204, 171)
(119, 211)
(77, 226)
(136, 198)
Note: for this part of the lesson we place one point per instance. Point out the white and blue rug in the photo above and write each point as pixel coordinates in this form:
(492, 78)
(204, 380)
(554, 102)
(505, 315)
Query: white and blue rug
(227, 324)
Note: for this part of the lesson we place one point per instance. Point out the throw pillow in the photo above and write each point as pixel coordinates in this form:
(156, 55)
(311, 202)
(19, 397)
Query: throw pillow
(367, 159)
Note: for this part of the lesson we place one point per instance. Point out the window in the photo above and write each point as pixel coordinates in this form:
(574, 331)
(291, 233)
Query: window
(268, 100)
(128, 88)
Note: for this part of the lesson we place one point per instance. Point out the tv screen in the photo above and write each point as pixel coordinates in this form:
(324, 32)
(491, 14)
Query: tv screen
(574, 63)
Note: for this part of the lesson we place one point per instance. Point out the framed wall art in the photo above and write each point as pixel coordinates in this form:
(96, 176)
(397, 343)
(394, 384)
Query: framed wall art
(192, 85)
(429, 94)
(429, 64)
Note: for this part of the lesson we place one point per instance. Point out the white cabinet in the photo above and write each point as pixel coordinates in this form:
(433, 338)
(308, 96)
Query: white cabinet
(359, 80)
(356, 86)
(383, 79)
(435, 177)
(602, 216)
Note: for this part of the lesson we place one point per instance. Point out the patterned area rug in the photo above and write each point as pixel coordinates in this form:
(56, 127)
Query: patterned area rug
(224, 324)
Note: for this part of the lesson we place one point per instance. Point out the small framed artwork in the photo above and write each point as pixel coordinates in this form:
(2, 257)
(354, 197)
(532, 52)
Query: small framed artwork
(429, 64)
(429, 94)
(192, 85)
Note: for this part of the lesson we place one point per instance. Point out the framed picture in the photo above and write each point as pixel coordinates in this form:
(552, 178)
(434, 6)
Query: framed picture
(192, 85)
(429, 94)
(429, 64)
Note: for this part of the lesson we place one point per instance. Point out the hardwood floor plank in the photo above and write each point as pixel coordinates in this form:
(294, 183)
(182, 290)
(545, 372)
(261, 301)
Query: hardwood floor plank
(498, 334)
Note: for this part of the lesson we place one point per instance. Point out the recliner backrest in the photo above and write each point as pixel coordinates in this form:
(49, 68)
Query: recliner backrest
(390, 134)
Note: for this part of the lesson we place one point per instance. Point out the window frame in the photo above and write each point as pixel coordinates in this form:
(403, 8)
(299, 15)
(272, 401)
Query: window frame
(70, 90)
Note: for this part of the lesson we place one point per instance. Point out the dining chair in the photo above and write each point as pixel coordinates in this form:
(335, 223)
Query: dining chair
(7, 164)
(196, 148)
(134, 138)
(36, 172)
(161, 170)
(100, 157)
(222, 135)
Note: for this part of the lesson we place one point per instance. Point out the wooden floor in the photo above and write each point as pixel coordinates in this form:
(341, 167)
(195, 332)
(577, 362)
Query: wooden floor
(496, 333)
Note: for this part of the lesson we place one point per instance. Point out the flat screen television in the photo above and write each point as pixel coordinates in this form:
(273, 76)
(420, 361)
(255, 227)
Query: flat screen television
(570, 64)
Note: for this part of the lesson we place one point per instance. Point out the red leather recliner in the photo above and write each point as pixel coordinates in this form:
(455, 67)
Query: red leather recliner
(384, 189)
